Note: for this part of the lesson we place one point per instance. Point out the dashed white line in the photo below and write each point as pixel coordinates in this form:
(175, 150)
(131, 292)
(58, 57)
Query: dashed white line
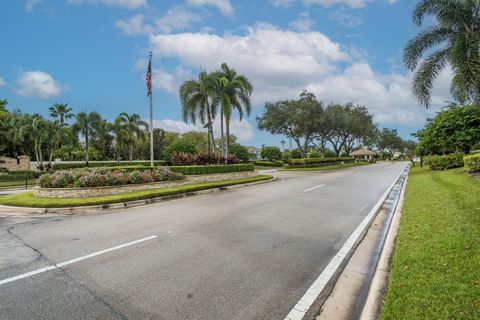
(62, 264)
(320, 186)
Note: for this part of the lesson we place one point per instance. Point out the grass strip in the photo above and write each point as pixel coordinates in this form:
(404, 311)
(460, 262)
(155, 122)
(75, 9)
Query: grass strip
(435, 272)
(27, 199)
(20, 183)
(329, 167)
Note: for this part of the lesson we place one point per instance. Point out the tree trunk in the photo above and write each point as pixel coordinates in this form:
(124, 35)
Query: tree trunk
(86, 146)
(210, 129)
(227, 129)
(130, 156)
(221, 131)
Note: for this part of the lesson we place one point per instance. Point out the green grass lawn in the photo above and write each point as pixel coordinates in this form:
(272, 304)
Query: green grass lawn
(329, 167)
(27, 199)
(436, 266)
(31, 183)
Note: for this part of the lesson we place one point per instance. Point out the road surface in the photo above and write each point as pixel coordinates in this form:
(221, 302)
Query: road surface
(249, 253)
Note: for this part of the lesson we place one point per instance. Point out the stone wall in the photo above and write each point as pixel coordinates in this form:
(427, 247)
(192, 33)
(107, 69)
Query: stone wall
(21, 163)
(105, 191)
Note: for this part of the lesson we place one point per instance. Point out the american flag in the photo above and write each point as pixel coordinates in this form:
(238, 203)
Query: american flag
(148, 77)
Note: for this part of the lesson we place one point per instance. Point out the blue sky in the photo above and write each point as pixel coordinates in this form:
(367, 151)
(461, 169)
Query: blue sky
(92, 54)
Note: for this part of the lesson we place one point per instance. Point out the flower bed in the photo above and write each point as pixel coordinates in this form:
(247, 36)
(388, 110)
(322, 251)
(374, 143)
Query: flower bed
(73, 192)
(100, 177)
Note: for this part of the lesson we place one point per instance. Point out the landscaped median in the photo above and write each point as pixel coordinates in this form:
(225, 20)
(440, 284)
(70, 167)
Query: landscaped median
(28, 200)
(324, 167)
(435, 271)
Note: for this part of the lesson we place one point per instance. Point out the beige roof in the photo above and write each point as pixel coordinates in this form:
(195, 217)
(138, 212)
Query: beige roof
(362, 152)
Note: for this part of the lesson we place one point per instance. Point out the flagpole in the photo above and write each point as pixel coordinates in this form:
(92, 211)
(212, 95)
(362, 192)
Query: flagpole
(151, 120)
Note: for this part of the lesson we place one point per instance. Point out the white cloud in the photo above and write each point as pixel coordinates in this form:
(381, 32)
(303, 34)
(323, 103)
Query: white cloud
(30, 4)
(3, 83)
(346, 19)
(243, 130)
(329, 3)
(129, 4)
(37, 84)
(283, 3)
(176, 18)
(134, 25)
(303, 23)
(282, 63)
(224, 6)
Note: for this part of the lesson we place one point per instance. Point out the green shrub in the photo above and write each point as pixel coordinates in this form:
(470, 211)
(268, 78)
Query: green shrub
(66, 166)
(314, 155)
(295, 154)
(239, 151)
(317, 162)
(99, 177)
(192, 170)
(472, 162)
(271, 153)
(278, 163)
(449, 161)
(179, 146)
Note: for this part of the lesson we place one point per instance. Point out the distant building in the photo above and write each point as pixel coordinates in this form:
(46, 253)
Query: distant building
(254, 152)
(363, 154)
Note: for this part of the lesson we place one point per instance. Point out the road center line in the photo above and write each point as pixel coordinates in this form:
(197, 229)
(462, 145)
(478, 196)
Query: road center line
(62, 264)
(320, 186)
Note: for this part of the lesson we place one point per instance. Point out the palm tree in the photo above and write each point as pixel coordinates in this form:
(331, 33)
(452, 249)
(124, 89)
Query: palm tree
(85, 125)
(58, 133)
(132, 125)
(120, 136)
(61, 111)
(40, 132)
(198, 101)
(283, 145)
(233, 94)
(456, 33)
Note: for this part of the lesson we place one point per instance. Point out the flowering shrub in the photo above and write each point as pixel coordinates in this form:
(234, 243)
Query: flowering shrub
(99, 177)
(189, 159)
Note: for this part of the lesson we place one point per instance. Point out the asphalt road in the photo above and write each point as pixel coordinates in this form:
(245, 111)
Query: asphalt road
(249, 253)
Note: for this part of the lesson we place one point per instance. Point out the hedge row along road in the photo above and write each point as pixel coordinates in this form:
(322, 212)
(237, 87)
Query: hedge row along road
(249, 253)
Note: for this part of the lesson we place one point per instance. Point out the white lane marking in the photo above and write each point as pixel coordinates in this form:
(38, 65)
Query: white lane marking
(304, 304)
(320, 186)
(62, 264)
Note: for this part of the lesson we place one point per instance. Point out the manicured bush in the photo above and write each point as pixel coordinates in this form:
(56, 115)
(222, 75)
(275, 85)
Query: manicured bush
(449, 161)
(191, 170)
(269, 163)
(313, 162)
(314, 155)
(66, 166)
(472, 162)
(295, 154)
(98, 177)
(271, 153)
(179, 146)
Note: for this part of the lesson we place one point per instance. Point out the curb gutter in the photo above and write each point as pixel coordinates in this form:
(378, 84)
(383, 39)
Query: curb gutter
(28, 211)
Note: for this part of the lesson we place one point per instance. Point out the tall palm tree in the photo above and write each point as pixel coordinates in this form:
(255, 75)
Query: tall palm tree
(120, 136)
(233, 94)
(58, 133)
(198, 101)
(61, 112)
(85, 125)
(40, 132)
(133, 126)
(456, 34)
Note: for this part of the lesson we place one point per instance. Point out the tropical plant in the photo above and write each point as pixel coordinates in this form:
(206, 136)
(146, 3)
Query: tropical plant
(198, 98)
(133, 126)
(456, 34)
(61, 112)
(271, 153)
(120, 137)
(3, 104)
(85, 125)
(233, 93)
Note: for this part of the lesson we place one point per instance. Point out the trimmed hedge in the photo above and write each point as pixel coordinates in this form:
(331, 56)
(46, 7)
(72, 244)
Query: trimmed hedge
(317, 162)
(66, 166)
(192, 170)
(449, 161)
(19, 175)
(472, 162)
(277, 163)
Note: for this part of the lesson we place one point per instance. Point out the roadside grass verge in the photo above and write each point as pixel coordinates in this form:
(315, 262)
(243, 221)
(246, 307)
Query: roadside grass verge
(329, 167)
(436, 267)
(27, 199)
(19, 183)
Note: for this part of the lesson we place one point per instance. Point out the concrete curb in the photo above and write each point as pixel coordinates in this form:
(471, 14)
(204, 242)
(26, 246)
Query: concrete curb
(379, 284)
(10, 211)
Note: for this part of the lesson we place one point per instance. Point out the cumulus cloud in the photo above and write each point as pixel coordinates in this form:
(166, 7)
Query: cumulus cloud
(129, 4)
(224, 6)
(282, 63)
(37, 84)
(176, 18)
(3, 83)
(243, 130)
(134, 26)
(303, 23)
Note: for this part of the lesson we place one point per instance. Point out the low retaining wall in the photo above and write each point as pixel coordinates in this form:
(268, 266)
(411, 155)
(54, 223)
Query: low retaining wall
(105, 191)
